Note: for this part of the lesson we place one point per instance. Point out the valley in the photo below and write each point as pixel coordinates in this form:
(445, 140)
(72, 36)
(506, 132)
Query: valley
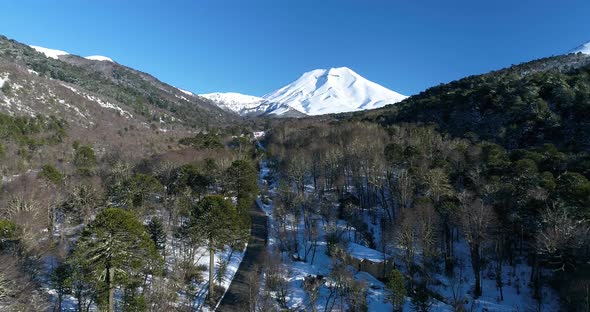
(121, 192)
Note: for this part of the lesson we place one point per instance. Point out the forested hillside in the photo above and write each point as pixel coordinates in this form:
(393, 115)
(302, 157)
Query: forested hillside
(118, 191)
(141, 93)
(157, 234)
(421, 195)
(480, 182)
(544, 101)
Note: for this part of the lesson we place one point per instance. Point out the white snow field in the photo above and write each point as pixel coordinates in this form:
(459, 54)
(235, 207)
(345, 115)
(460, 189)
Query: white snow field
(99, 58)
(234, 102)
(335, 90)
(51, 53)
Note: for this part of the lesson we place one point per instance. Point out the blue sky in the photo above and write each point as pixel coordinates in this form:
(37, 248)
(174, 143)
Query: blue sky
(255, 47)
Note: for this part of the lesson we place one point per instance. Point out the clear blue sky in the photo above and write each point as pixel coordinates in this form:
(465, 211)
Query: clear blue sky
(254, 47)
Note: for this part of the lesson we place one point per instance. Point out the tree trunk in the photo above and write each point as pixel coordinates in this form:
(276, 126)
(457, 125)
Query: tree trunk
(211, 273)
(476, 265)
(79, 298)
(448, 238)
(110, 277)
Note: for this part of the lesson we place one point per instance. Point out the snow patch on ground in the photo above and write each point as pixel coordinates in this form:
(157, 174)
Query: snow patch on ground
(181, 97)
(3, 79)
(185, 92)
(361, 252)
(76, 109)
(100, 102)
(104, 104)
(70, 88)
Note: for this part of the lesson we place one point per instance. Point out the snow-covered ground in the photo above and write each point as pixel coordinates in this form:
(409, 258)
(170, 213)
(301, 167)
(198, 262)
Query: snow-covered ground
(3, 79)
(517, 294)
(174, 253)
(233, 258)
(322, 264)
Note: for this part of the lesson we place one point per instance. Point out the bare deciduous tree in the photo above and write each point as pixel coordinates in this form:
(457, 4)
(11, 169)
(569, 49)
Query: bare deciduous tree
(476, 221)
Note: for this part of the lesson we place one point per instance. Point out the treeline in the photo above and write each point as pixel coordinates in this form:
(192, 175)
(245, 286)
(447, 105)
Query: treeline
(428, 191)
(124, 235)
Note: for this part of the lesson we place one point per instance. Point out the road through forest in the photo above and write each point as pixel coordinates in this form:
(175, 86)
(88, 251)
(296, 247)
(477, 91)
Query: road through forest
(237, 296)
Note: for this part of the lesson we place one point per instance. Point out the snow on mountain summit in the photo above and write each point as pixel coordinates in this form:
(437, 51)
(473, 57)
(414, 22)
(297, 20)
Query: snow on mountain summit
(584, 48)
(317, 92)
(49, 52)
(99, 58)
(235, 102)
(55, 54)
(335, 90)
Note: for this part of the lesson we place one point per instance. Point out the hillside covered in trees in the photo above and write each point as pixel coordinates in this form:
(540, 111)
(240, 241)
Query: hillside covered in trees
(543, 101)
(496, 163)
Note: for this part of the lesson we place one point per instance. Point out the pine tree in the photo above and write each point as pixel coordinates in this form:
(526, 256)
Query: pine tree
(157, 233)
(395, 282)
(216, 220)
(114, 246)
(242, 182)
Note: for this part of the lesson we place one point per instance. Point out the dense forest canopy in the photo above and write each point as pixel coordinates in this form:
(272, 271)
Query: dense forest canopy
(544, 101)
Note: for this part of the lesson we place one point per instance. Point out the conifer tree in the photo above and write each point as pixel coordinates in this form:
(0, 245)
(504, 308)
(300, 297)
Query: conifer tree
(113, 246)
(216, 220)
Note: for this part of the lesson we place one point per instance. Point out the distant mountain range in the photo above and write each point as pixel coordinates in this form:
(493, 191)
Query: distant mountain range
(317, 92)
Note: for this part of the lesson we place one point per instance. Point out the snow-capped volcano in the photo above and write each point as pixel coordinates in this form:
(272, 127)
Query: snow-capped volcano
(584, 48)
(234, 102)
(317, 92)
(335, 90)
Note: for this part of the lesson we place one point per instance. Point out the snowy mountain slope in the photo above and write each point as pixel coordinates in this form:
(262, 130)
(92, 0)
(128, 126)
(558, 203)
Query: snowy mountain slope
(185, 92)
(335, 90)
(82, 91)
(54, 54)
(99, 58)
(317, 92)
(584, 48)
(234, 102)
